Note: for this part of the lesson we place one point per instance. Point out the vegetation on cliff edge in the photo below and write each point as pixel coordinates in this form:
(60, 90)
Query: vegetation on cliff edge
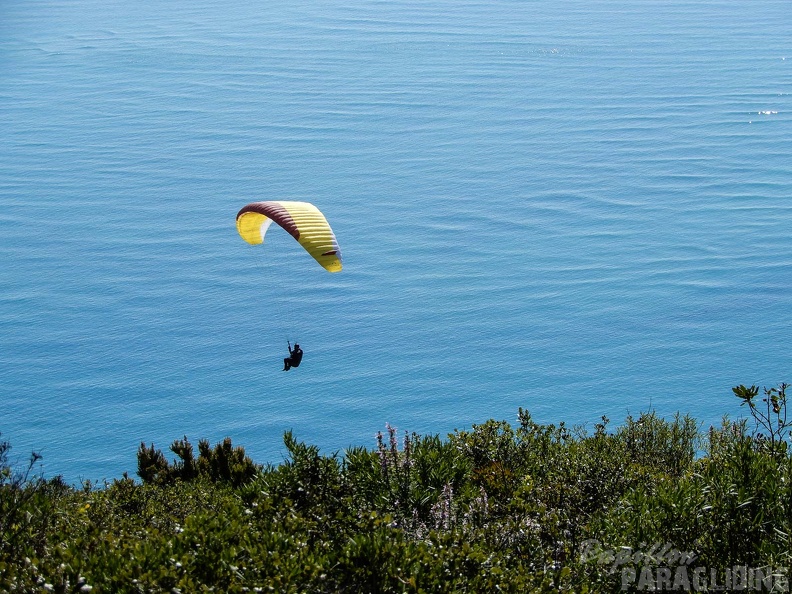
(522, 507)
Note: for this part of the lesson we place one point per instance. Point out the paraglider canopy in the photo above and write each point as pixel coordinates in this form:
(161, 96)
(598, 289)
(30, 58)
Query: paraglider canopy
(302, 220)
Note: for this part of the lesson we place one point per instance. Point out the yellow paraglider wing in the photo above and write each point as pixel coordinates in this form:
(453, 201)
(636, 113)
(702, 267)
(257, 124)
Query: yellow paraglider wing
(302, 220)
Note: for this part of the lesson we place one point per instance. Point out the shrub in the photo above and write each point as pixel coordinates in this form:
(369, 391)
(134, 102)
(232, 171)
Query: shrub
(495, 508)
(222, 464)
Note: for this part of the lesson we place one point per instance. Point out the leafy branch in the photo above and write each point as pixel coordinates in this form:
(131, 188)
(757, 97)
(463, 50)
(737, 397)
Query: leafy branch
(16, 490)
(771, 417)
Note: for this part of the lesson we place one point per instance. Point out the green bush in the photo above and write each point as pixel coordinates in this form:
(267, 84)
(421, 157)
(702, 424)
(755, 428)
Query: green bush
(224, 463)
(494, 508)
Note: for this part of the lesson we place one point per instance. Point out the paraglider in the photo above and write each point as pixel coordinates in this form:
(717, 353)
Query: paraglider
(302, 220)
(295, 357)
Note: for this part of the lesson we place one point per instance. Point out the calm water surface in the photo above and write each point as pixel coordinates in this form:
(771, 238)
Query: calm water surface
(579, 208)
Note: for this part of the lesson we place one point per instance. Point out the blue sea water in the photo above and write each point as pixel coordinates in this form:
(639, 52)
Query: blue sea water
(580, 208)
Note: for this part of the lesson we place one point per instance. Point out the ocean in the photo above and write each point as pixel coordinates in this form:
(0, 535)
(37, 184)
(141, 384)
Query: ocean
(579, 208)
